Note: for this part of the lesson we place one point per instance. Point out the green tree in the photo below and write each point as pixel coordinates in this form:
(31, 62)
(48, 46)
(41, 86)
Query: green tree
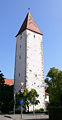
(6, 96)
(1, 89)
(33, 95)
(54, 81)
(23, 96)
(26, 98)
(1, 78)
(29, 97)
(6, 99)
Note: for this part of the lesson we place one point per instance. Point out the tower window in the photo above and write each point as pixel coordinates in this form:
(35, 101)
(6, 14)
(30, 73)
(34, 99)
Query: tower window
(20, 37)
(30, 70)
(19, 74)
(34, 36)
(19, 57)
(20, 46)
(35, 75)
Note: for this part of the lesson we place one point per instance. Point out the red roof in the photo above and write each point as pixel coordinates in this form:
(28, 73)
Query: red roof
(9, 82)
(30, 24)
(46, 86)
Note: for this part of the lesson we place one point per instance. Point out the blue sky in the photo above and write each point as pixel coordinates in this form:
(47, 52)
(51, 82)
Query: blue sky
(48, 16)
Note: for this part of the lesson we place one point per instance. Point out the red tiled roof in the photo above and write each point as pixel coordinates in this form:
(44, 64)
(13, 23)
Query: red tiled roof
(46, 86)
(9, 82)
(30, 24)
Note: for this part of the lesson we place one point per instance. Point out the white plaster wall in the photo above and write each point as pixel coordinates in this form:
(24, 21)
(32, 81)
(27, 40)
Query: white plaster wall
(34, 66)
(47, 98)
(30, 66)
(20, 62)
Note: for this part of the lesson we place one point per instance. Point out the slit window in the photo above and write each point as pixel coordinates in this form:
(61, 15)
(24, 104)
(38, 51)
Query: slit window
(19, 74)
(35, 75)
(20, 46)
(20, 37)
(34, 36)
(19, 57)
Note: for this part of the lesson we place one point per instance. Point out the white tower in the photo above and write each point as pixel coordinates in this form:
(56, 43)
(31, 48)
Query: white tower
(29, 59)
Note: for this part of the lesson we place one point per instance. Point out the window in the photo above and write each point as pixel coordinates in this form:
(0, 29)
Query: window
(20, 46)
(35, 75)
(19, 74)
(34, 36)
(19, 57)
(21, 37)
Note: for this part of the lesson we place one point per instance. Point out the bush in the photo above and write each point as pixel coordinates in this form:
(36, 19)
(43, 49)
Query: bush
(39, 110)
(11, 112)
(0, 112)
(55, 113)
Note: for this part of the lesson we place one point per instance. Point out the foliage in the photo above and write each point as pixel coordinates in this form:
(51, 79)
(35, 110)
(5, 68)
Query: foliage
(54, 81)
(33, 97)
(24, 96)
(29, 97)
(55, 113)
(39, 110)
(6, 96)
(1, 78)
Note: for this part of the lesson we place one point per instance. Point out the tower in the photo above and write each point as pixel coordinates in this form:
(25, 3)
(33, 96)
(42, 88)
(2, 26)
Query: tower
(29, 59)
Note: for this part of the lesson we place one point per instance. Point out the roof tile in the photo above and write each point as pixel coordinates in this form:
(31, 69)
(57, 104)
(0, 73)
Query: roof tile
(9, 82)
(30, 24)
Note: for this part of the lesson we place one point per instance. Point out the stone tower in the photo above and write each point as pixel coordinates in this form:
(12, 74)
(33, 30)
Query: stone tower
(29, 59)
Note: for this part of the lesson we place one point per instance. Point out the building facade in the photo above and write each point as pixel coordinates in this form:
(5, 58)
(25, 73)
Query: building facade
(29, 60)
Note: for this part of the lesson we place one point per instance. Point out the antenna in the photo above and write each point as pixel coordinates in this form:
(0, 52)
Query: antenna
(28, 9)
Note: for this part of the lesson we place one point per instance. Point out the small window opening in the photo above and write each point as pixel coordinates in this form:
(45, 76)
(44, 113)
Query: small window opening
(35, 75)
(20, 37)
(34, 36)
(19, 57)
(20, 46)
(19, 74)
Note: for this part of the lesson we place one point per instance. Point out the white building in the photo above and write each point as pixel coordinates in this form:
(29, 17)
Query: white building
(29, 59)
(46, 99)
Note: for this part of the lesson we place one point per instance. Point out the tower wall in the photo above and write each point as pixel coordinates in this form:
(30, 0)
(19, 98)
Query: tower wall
(29, 64)
(34, 66)
(20, 61)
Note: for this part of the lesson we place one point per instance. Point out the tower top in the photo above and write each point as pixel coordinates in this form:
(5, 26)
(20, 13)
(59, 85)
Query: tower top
(29, 24)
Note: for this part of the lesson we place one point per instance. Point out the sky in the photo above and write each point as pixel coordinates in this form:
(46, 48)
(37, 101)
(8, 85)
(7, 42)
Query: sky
(48, 16)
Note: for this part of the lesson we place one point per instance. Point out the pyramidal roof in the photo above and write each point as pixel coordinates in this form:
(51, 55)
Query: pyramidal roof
(29, 24)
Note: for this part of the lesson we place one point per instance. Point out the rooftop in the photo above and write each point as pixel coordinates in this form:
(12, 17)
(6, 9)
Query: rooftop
(29, 24)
